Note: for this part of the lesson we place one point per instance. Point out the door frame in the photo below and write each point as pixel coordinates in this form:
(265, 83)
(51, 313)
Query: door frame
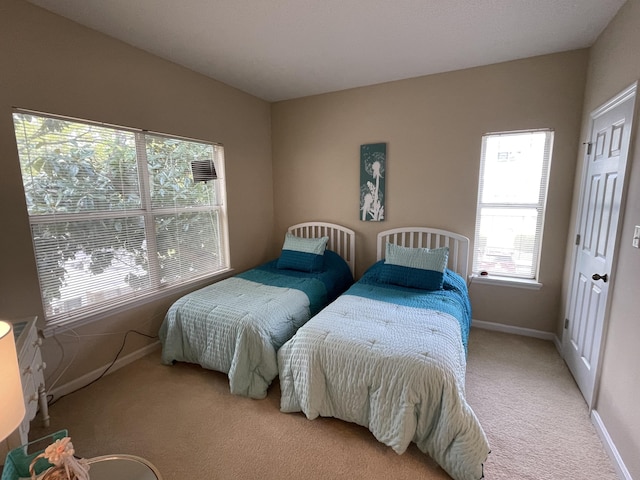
(624, 95)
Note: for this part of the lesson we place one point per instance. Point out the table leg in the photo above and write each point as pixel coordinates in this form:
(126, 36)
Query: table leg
(44, 405)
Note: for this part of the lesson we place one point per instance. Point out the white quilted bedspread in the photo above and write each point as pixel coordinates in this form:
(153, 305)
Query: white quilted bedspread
(235, 326)
(397, 370)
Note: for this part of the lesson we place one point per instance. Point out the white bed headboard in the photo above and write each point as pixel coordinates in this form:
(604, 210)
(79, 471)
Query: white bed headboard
(423, 237)
(342, 240)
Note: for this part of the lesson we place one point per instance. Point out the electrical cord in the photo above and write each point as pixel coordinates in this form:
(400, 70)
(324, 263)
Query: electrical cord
(106, 370)
(53, 384)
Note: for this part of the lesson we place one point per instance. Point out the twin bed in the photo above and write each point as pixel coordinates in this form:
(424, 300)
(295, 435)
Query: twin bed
(389, 353)
(237, 325)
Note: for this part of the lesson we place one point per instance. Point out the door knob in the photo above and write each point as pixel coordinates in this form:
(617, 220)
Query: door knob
(604, 277)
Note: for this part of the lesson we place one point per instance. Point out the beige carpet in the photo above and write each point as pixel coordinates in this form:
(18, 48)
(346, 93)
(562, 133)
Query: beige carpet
(184, 420)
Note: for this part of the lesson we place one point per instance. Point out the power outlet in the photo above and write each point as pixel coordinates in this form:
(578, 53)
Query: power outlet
(636, 237)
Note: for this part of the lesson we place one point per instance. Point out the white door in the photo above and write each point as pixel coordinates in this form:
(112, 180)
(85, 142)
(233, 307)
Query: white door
(597, 227)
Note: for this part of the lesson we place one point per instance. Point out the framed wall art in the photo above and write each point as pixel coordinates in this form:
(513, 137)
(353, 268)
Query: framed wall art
(373, 163)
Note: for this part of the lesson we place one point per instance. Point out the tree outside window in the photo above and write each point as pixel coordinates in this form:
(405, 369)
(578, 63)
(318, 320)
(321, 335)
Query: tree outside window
(115, 213)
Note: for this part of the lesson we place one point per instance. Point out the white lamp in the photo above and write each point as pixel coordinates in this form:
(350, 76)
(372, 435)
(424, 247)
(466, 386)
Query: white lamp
(11, 399)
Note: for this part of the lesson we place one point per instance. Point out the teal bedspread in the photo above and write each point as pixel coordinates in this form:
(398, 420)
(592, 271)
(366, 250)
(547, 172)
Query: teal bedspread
(452, 299)
(237, 325)
(391, 359)
(321, 288)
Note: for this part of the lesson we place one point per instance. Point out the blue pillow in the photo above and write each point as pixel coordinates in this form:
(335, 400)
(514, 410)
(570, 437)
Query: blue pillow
(303, 254)
(414, 267)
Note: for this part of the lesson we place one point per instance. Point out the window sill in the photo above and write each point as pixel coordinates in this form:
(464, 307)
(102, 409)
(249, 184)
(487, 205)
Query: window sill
(504, 282)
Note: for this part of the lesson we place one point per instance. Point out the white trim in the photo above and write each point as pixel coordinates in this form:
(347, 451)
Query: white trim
(610, 447)
(526, 332)
(505, 281)
(80, 382)
(612, 103)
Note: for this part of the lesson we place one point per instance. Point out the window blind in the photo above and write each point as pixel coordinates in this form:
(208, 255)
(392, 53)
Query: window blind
(512, 191)
(115, 213)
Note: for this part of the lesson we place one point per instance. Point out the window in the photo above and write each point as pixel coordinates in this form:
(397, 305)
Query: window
(115, 213)
(514, 168)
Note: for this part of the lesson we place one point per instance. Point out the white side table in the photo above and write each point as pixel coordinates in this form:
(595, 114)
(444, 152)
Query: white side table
(122, 467)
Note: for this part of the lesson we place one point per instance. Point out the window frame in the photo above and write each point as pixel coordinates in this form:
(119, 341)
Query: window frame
(515, 280)
(157, 289)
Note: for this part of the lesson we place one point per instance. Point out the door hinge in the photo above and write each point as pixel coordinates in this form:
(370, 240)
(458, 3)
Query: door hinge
(566, 323)
(589, 146)
(578, 239)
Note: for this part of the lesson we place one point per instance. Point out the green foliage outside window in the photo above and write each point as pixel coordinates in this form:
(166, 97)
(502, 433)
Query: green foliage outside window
(94, 193)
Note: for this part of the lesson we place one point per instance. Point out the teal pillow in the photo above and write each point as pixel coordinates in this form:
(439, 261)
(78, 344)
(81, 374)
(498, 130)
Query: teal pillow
(303, 254)
(421, 268)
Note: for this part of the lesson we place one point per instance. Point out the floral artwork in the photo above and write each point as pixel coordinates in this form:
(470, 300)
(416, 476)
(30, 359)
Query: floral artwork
(373, 160)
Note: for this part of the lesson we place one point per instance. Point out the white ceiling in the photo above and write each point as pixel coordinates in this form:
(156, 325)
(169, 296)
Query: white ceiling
(283, 49)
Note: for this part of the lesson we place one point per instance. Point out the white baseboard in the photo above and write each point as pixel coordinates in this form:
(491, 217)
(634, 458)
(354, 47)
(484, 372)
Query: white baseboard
(527, 332)
(80, 382)
(610, 447)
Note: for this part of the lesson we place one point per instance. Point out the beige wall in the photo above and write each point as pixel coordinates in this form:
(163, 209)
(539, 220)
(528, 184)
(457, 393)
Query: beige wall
(433, 127)
(614, 64)
(53, 65)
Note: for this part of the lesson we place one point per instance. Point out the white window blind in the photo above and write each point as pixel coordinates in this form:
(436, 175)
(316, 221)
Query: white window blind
(115, 213)
(512, 192)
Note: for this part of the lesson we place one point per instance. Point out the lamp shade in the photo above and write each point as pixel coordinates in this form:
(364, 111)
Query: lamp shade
(11, 398)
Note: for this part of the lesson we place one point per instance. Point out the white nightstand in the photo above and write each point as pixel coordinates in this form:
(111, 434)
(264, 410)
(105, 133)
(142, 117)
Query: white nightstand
(32, 371)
